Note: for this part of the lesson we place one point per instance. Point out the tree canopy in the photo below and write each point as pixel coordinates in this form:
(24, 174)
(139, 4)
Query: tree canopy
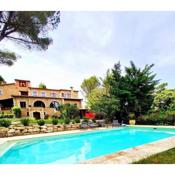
(134, 89)
(119, 95)
(1, 79)
(164, 99)
(42, 86)
(29, 29)
(89, 84)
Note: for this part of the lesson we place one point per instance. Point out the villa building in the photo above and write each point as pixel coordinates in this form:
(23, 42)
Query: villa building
(35, 102)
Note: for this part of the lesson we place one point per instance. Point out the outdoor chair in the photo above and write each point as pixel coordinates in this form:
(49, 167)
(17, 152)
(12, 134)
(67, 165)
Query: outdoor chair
(91, 124)
(115, 123)
(122, 124)
(84, 125)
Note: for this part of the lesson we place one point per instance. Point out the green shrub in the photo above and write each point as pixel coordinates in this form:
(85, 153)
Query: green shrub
(170, 118)
(151, 119)
(132, 116)
(60, 120)
(99, 116)
(67, 121)
(5, 122)
(55, 116)
(16, 111)
(157, 118)
(85, 119)
(41, 122)
(4, 115)
(25, 121)
(94, 120)
(77, 119)
(54, 121)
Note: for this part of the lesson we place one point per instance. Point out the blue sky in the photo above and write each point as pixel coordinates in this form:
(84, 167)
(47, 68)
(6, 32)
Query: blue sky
(88, 43)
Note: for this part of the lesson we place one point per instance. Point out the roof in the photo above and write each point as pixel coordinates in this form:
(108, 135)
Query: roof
(22, 80)
(52, 89)
(4, 84)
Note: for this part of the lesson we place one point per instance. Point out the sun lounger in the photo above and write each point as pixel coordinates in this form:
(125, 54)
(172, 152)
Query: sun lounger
(115, 123)
(92, 124)
(84, 125)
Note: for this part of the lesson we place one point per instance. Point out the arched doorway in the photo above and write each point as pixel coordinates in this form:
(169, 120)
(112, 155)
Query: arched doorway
(37, 115)
(55, 104)
(39, 104)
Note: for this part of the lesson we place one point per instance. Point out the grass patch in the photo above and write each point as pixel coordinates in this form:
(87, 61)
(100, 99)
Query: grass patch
(166, 157)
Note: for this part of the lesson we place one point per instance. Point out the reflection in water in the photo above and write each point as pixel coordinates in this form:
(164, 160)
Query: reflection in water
(85, 149)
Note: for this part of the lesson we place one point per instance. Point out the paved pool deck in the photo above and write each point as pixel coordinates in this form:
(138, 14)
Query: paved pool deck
(123, 157)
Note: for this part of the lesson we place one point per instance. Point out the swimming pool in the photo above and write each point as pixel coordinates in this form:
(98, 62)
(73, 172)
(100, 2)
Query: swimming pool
(74, 148)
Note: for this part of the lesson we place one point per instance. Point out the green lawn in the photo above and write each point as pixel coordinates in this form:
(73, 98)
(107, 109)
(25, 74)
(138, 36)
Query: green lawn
(166, 157)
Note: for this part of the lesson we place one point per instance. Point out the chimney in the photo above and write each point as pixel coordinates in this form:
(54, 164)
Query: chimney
(72, 91)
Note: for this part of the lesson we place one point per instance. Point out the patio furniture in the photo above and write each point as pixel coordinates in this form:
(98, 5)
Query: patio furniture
(115, 123)
(100, 123)
(84, 125)
(91, 124)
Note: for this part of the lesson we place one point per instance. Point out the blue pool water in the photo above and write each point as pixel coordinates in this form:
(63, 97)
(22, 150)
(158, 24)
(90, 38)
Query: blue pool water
(74, 148)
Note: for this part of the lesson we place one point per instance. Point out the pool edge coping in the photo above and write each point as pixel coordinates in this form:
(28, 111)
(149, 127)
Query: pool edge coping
(134, 154)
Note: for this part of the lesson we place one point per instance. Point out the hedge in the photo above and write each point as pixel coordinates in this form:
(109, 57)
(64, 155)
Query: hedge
(168, 118)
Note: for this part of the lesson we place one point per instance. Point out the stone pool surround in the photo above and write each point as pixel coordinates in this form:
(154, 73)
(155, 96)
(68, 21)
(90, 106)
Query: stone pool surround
(19, 129)
(126, 156)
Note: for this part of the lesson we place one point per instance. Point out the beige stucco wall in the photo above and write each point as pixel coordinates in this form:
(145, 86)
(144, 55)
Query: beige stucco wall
(13, 90)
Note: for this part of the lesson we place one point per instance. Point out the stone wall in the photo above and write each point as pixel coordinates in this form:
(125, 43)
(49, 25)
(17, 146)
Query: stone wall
(18, 129)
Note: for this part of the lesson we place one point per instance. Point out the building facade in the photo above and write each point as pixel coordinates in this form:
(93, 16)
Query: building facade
(35, 102)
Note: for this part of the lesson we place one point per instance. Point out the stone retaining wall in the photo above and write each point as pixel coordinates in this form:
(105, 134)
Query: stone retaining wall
(18, 129)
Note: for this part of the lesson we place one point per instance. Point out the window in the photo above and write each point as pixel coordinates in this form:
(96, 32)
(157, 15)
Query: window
(62, 94)
(43, 94)
(53, 94)
(22, 104)
(66, 95)
(1, 92)
(34, 93)
(22, 84)
(24, 93)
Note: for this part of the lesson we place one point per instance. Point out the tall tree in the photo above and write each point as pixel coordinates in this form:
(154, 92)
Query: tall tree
(135, 89)
(1, 79)
(42, 86)
(119, 90)
(27, 28)
(164, 99)
(89, 84)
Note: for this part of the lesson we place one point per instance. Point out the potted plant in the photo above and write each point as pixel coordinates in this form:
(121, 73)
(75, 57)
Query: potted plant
(132, 120)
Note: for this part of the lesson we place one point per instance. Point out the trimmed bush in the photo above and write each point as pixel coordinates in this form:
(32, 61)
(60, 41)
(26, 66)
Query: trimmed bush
(41, 122)
(5, 122)
(16, 111)
(67, 121)
(25, 121)
(77, 120)
(54, 121)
